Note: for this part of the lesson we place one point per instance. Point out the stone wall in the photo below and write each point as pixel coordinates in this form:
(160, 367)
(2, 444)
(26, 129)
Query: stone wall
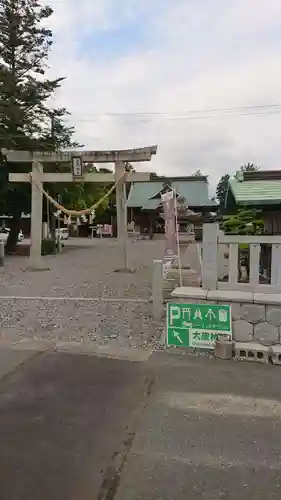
(256, 317)
(258, 322)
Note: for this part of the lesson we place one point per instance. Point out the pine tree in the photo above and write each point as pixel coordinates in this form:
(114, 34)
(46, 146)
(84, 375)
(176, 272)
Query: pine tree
(249, 167)
(221, 191)
(197, 173)
(57, 135)
(24, 91)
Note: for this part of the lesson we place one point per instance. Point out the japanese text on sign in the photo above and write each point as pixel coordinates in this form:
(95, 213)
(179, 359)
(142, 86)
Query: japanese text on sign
(197, 325)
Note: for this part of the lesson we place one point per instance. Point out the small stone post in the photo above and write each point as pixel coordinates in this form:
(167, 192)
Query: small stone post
(2, 253)
(58, 239)
(224, 347)
(157, 290)
(210, 256)
(45, 230)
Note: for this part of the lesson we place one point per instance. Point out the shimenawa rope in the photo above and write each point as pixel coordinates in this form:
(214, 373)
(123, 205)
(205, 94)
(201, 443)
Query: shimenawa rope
(78, 213)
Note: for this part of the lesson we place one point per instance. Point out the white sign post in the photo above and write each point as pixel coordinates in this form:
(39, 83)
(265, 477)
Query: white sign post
(77, 158)
(77, 166)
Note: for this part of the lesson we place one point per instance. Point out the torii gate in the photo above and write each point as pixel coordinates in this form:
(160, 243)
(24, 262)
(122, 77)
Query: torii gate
(77, 158)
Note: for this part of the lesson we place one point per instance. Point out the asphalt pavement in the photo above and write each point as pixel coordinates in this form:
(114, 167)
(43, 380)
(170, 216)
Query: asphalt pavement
(210, 430)
(65, 423)
(172, 427)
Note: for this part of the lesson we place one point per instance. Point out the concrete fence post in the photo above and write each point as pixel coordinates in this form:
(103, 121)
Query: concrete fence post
(210, 256)
(157, 290)
(2, 253)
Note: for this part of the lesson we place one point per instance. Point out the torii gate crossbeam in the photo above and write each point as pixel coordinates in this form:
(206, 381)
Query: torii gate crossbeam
(39, 158)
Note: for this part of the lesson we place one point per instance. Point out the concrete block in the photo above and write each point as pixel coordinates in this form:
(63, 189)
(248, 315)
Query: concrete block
(183, 300)
(190, 292)
(267, 298)
(242, 331)
(175, 273)
(168, 282)
(191, 278)
(266, 334)
(226, 296)
(276, 354)
(273, 315)
(250, 351)
(235, 310)
(253, 313)
(175, 265)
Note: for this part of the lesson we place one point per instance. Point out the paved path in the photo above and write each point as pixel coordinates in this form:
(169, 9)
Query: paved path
(171, 428)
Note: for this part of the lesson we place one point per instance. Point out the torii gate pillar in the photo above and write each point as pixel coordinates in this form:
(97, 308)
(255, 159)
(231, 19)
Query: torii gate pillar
(121, 209)
(35, 257)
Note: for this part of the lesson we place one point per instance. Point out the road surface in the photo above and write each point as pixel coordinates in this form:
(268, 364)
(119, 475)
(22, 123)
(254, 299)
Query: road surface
(170, 428)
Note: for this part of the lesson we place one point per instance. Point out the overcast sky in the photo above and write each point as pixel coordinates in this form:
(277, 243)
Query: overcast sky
(149, 72)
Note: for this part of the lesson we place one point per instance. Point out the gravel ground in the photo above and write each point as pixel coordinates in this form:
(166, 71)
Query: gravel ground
(85, 272)
(120, 324)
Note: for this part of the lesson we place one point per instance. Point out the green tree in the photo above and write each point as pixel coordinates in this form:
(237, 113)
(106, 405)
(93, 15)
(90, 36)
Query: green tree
(245, 221)
(221, 190)
(247, 167)
(57, 134)
(24, 48)
(76, 196)
(82, 196)
(222, 187)
(129, 167)
(24, 90)
(197, 173)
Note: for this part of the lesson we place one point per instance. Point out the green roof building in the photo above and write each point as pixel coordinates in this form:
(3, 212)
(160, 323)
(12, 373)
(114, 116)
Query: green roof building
(262, 190)
(144, 199)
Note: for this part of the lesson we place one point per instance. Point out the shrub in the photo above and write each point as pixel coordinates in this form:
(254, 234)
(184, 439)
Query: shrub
(48, 246)
(244, 222)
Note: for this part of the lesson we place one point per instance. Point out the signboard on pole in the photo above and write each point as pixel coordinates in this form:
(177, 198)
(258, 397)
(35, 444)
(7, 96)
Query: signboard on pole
(169, 206)
(197, 325)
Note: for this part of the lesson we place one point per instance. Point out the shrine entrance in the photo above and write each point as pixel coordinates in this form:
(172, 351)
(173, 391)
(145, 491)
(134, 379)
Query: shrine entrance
(76, 161)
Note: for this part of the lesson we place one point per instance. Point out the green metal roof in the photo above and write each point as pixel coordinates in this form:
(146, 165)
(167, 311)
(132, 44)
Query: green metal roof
(194, 192)
(263, 192)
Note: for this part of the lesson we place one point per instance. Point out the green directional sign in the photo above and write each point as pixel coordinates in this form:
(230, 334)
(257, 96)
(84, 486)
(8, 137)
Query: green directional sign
(178, 336)
(197, 325)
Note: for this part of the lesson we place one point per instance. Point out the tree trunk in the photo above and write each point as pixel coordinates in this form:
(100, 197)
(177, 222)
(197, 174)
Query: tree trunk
(12, 240)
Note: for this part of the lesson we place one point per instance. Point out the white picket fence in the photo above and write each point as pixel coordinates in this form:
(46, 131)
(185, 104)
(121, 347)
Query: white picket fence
(213, 237)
